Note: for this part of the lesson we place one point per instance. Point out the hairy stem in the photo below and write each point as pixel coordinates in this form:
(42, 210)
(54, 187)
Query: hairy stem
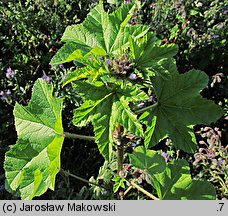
(78, 136)
(145, 108)
(81, 179)
(143, 191)
(120, 154)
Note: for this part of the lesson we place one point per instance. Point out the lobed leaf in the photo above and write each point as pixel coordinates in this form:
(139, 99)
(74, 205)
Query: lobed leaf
(109, 32)
(147, 51)
(32, 163)
(179, 107)
(176, 184)
(106, 106)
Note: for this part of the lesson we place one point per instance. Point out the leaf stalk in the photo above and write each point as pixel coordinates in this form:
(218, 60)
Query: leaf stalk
(82, 179)
(146, 108)
(78, 136)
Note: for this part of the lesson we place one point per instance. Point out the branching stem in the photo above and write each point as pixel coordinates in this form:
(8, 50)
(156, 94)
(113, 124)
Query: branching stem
(78, 136)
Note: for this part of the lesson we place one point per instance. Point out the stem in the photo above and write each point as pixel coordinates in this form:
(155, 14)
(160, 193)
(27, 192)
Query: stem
(120, 154)
(82, 179)
(143, 191)
(129, 188)
(146, 108)
(78, 136)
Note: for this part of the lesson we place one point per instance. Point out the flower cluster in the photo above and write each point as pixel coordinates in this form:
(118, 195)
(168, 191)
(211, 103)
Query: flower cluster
(212, 159)
(212, 149)
(5, 94)
(46, 78)
(138, 174)
(123, 67)
(10, 73)
(128, 141)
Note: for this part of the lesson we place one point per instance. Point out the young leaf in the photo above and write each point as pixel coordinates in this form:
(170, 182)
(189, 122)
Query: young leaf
(147, 51)
(119, 183)
(179, 107)
(176, 184)
(99, 30)
(32, 163)
(80, 73)
(106, 106)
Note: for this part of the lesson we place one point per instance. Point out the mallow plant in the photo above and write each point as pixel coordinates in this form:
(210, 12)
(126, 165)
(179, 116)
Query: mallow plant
(132, 94)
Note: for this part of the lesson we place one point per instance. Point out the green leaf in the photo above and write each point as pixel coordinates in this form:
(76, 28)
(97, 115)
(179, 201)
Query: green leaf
(69, 52)
(119, 182)
(32, 163)
(81, 73)
(148, 160)
(176, 184)
(193, 12)
(99, 30)
(106, 106)
(166, 68)
(180, 106)
(147, 51)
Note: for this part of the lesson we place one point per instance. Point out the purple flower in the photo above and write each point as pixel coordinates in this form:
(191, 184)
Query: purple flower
(101, 58)
(2, 187)
(224, 10)
(214, 160)
(165, 155)
(133, 76)
(46, 78)
(61, 65)
(215, 36)
(141, 105)
(64, 76)
(5, 94)
(2, 94)
(127, 1)
(133, 145)
(8, 92)
(10, 73)
(91, 59)
(220, 162)
(108, 62)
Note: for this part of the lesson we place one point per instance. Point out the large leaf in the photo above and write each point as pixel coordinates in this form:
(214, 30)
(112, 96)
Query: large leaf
(32, 163)
(176, 184)
(106, 106)
(99, 30)
(179, 107)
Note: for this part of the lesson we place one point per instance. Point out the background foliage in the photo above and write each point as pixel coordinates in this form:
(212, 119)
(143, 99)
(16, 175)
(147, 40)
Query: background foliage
(29, 37)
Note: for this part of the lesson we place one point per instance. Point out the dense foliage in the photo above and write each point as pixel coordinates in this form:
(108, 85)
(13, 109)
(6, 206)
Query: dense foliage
(123, 80)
